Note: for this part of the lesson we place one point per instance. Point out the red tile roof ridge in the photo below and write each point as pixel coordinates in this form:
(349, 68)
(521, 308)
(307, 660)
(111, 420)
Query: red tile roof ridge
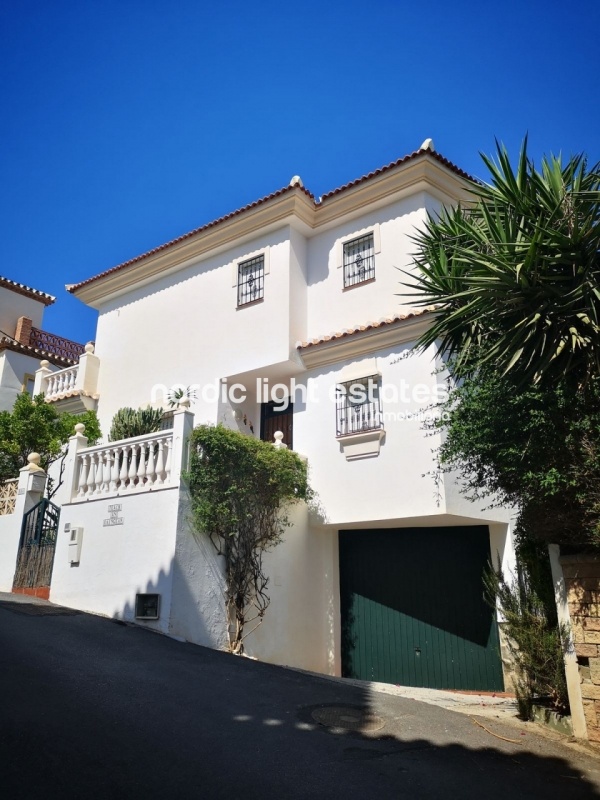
(424, 152)
(73, 287)
(21, 288)
(365, 327)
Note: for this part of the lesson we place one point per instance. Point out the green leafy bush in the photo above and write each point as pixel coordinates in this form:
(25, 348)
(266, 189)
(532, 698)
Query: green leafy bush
(240, 490)
(534, 640)
(36, 426)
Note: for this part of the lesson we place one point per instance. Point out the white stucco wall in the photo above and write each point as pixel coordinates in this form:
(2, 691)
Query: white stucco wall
(299, 627)
(14, 305)
(333, 308)
(186, 329)
(10, 532)
(391, 485)
(120, 560)
(197, 606)
(13, 369)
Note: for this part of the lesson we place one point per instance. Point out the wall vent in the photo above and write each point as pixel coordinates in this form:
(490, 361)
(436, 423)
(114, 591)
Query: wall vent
(147, 606)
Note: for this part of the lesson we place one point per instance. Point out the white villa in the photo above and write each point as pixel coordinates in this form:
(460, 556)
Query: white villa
(299, 299)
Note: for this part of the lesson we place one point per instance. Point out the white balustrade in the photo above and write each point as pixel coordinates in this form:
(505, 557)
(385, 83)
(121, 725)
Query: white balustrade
(61, 383)
(128, 466)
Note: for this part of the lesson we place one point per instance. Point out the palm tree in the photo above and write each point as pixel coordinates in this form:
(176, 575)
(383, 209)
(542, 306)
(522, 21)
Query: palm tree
(516, 272)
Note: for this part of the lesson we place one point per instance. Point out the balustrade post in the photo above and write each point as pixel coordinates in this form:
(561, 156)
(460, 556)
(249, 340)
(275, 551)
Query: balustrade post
(183, 425)
(86, 378)
(160, 462)
(32, 482)
(133, 467)
(40, 384)
(73, 474)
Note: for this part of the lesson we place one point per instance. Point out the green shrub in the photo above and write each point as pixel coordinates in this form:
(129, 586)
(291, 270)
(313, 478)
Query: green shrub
(129, 422)
(534, 640)
(240, 489)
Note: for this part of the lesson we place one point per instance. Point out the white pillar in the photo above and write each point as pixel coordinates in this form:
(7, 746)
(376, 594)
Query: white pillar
(183, 425)
(87, 372)
(41, 374)
(32, 482)
(70, 476)
(571, 668)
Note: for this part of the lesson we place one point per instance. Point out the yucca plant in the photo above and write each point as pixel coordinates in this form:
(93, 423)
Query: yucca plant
(516, 273)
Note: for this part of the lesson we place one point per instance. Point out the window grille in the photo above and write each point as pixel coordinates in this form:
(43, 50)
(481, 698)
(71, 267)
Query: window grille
(358, 406)
(251, 280)
(359, 260)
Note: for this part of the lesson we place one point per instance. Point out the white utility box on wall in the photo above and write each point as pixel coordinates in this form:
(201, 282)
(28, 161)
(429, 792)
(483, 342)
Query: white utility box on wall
(75, 539)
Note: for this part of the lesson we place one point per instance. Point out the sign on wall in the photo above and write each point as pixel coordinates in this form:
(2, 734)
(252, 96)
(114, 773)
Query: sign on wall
(114, 518)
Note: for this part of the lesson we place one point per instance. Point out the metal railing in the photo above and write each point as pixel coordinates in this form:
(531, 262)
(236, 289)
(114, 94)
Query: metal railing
(359, 260)
(57, 345)
(358, 406)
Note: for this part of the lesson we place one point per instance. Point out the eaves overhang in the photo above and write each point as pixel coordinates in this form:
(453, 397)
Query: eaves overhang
(27, 291)
(6, 343)
(365, 339)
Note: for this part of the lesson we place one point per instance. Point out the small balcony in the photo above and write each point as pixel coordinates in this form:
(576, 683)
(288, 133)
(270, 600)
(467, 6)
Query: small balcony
(73, 388)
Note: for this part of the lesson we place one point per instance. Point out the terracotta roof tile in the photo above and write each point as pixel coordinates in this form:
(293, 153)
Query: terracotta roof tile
(20, 288)
(396, 318)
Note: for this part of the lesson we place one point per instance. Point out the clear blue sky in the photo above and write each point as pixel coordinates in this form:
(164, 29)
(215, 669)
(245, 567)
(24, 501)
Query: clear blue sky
(125, 124)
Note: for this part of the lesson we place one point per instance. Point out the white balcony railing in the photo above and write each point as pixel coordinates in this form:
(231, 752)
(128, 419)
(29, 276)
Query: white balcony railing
(61, 384)
(129, 466)
(77, 383)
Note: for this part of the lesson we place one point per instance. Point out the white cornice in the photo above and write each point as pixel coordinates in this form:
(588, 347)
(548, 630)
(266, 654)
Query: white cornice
(363, 343)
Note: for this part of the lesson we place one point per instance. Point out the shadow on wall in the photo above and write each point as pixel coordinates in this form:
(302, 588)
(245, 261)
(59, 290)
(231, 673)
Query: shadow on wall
(191, 604)
(167, 596)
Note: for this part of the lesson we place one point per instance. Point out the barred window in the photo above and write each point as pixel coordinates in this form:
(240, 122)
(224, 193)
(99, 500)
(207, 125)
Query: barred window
(359, 260)
(358, 406)
(251, 280)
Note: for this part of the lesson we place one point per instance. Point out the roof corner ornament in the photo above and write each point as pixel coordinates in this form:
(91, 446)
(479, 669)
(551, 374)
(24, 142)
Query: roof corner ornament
(297, 181)
(428, 145)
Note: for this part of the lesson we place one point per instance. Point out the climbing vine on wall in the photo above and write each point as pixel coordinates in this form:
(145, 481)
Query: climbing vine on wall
(242, 490)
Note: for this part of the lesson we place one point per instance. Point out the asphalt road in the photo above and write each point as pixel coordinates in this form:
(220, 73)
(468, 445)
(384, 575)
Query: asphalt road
(93, 709)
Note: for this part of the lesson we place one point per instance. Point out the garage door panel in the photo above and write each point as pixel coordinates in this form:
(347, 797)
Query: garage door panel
(413, 609)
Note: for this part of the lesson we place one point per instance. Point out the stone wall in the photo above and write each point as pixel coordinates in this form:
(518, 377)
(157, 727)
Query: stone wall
(582, 579)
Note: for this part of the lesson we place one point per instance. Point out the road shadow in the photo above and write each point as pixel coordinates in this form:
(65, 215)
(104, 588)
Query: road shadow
(115, 711)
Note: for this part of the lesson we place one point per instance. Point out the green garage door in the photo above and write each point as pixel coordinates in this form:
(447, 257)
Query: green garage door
(413, 611)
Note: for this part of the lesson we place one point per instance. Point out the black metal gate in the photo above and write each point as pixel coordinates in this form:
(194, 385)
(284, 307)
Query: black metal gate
(37, 545)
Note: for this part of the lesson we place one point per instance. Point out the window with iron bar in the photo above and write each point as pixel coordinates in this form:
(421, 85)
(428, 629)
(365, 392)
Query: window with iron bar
(359, 260)
(251, 280)
(358, 406)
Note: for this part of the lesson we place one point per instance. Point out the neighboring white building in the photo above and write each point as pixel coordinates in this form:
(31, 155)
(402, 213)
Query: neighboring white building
(24, 343)
(302, 298)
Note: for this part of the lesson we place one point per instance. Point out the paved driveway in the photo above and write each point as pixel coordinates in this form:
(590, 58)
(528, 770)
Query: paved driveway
(94, 709)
